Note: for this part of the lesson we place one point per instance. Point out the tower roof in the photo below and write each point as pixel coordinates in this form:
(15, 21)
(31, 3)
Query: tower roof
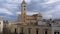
(23, 2)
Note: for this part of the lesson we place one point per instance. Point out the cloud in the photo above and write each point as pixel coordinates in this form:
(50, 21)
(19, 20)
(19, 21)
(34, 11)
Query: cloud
(18, 13)
(35, 0)
(5, 11)
(50, 1)
(28, 1)
(49, 8)
(17, 1)
(28, 13)
(54, 12)
(14, 1)
(10, 6)
(9, 18)
(47, 16)
(31, 13)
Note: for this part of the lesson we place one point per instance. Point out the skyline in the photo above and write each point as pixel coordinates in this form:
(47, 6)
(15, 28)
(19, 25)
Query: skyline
(9, 9)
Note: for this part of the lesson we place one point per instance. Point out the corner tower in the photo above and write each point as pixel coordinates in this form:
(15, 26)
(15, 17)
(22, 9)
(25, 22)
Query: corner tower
(23, 11)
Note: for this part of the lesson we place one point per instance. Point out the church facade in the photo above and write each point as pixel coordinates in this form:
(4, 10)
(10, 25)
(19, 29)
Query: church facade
(31, 24)
(28, 24)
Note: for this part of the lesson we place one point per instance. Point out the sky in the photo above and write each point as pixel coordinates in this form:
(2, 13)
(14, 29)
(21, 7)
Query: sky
(9, 9)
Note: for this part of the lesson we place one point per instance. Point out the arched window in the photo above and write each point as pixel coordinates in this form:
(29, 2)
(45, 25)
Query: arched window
(56, 32)
(21, 31)
(24, 6)
(37, 32)
(24, 9)
(15, 32)
(45, 31)
(29, 30)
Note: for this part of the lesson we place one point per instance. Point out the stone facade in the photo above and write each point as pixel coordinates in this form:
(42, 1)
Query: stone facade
(1, 25)
(28, 18)
(30, 29)
(30, 24)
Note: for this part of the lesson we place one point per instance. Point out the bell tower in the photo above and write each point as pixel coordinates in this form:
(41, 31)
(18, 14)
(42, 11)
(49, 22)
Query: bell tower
(23, 11)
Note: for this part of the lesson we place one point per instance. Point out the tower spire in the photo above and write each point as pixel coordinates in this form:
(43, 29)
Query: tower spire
(23, 11)
(23, 1)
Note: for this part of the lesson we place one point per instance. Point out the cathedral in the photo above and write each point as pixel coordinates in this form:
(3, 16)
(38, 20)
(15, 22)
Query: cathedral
(28, 18)
(30, 24)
